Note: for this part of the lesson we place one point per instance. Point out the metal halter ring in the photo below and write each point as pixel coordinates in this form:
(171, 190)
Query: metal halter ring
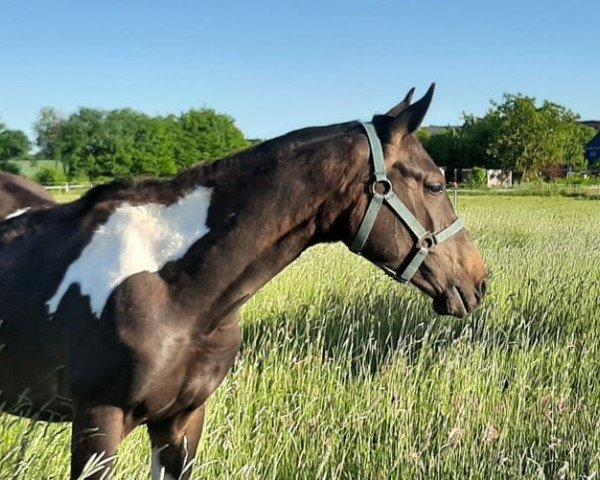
(427, 242)
(388, 189)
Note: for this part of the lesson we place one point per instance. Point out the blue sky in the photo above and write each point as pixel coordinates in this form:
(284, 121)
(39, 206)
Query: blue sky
(276, 66)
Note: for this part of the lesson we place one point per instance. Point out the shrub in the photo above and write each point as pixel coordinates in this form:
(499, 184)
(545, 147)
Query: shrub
(10, 168)
(50, 175)
(478, 178)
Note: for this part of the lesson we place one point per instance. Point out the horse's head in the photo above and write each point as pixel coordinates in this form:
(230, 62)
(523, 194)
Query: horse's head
(409, 227)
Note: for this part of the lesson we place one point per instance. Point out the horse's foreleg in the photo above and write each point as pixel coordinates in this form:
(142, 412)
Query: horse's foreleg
(97, 432)
(174, 444)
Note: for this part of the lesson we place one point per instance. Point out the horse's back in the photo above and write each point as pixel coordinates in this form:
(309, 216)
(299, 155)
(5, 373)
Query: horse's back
(18, 193)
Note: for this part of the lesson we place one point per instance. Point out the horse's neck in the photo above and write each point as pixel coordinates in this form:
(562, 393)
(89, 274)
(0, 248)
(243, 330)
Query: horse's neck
(257, 231)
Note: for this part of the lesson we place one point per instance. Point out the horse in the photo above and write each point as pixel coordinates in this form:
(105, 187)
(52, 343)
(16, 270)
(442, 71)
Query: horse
(120, 308)
(17, 195)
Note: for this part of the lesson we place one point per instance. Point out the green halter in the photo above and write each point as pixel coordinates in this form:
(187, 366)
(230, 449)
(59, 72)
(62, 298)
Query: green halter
(424, 239)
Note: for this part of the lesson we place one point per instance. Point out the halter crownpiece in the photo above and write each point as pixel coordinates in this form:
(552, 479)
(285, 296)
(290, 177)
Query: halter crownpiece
(424, 239)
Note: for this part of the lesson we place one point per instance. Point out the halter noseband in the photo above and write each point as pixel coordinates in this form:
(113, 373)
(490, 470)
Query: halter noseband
(424, 239)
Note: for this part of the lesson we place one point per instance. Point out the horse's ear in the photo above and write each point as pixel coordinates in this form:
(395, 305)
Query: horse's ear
(409, 119)
(395, 111)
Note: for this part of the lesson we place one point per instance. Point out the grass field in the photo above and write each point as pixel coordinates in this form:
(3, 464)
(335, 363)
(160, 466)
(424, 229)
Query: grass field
(344, 374)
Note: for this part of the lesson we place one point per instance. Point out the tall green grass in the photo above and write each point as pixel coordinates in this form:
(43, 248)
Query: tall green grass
(344, 374)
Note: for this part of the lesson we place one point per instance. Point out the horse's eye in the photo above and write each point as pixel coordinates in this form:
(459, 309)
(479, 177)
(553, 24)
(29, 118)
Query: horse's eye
(435, 188)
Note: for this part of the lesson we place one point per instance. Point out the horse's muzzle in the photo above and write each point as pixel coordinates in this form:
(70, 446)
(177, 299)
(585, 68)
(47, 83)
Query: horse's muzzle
(459, 301)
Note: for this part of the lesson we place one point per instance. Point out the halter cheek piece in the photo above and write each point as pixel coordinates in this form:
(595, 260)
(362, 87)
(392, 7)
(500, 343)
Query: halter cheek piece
(424, 239)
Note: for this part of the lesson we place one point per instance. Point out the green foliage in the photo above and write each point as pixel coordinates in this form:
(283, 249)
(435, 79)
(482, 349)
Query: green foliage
(13, 143)
(48, 131)
(206, 136)
(477, 178)
(476, 136)
(532, 138)
(444, 147)
(514, 135)
(101, 144)
(10, 167)
(30, 166)
(50, 175)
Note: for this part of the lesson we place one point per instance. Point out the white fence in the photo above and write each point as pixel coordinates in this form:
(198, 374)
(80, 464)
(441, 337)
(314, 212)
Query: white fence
(67, 187)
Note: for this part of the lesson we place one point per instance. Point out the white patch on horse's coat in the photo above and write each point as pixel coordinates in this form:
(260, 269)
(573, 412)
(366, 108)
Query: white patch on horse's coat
(158, 471)
(135, 239)
(17, 213)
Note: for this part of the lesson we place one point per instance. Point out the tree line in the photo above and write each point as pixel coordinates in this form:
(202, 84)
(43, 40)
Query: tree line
(98, 144)
(514, 134)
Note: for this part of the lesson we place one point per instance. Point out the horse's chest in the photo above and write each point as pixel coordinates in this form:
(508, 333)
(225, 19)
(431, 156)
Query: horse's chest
(185, 373)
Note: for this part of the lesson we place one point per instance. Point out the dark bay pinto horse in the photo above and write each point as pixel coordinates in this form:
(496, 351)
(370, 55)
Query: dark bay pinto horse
(119, 309)
(17, 195)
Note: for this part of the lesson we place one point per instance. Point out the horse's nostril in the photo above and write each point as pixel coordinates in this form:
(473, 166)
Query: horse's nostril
(483, 286)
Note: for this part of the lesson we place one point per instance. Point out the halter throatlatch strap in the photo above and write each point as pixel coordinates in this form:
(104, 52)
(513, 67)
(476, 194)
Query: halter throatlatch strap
(382, 192)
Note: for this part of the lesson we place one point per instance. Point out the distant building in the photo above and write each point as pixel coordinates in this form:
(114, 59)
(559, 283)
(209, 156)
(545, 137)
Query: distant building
(592, 150)
(499, 178)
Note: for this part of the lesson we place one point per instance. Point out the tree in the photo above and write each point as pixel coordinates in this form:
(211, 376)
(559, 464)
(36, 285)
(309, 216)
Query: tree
(153, 146)
(515, 135)
(444, 147)
(476, 136)
(49, 130)
(531, 138)
(206, 136)
(106, 144)
(81, 143)
(13, 143)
